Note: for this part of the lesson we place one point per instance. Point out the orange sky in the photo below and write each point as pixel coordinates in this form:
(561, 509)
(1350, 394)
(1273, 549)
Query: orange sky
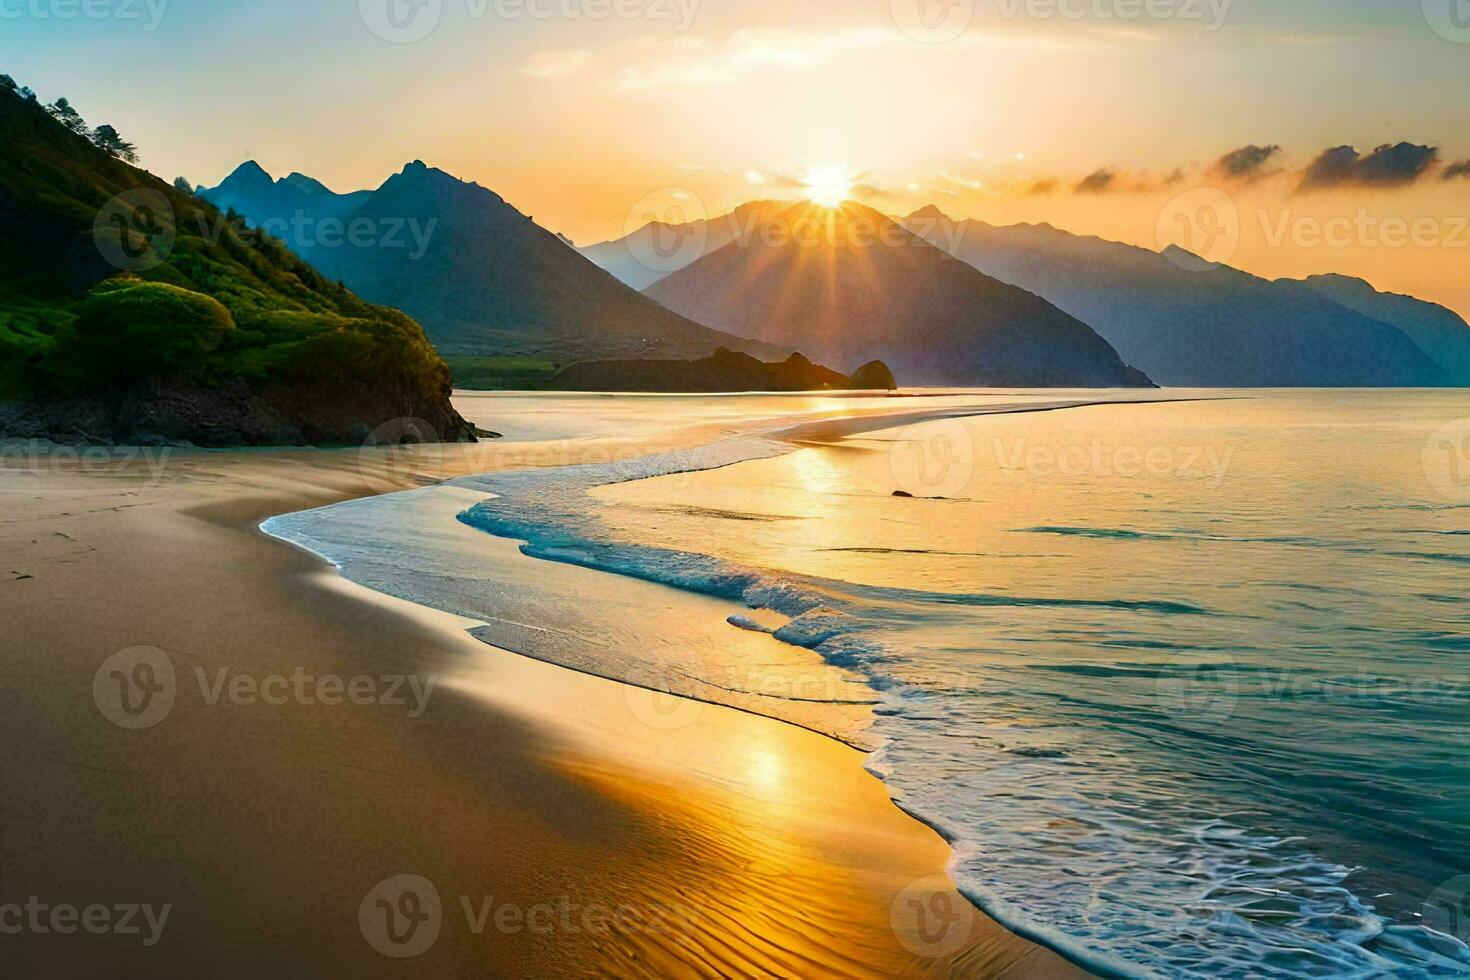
(577, 118)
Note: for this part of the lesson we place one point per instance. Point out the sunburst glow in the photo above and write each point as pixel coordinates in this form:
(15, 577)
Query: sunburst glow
(828, 185)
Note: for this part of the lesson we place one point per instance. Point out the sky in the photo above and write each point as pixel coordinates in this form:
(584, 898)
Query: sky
(1212, 123)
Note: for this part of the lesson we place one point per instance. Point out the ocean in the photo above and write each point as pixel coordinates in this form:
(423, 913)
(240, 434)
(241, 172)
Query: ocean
(1183, 682)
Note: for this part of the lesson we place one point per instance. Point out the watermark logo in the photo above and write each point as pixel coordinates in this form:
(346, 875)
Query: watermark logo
(38, 917)
(1364, 229)
(1102, 459)
(652, 703)
(931, 919)
(669, 229)
(1198, 689)
(45, 459)
(1205, 222)
(395, 452)
(407, 21)
(1447, 912)
(401, 21)
(135, 688)
(933, 21)
(1450, 19)
(150, 12)
(936, 459)
(401, 916)
(1447, 460)
(135, 231)
(1212, 13)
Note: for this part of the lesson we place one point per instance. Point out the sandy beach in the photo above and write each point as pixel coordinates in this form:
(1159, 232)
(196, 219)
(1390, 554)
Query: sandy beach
(320, 742)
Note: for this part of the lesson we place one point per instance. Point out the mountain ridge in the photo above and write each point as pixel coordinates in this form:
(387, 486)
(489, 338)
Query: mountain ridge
(848, 282)
(1193, 323)
(482, 276)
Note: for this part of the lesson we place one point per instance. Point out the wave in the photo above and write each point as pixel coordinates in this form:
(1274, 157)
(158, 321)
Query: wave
(1252, 904)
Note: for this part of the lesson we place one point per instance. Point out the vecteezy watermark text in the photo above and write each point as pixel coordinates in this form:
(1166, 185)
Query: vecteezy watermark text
(38, 456)
(1212, 13)
(137, 231)
(137, 688)
(149, 12)
(40, 918)
(1102, 459)
(402, 917)
(407, 21)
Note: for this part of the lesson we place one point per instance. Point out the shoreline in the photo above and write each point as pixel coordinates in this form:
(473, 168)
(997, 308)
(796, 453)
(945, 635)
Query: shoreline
(163, 547)
(377, 566)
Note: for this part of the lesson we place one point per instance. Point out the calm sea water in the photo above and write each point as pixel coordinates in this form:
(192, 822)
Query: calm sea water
(1186, 684)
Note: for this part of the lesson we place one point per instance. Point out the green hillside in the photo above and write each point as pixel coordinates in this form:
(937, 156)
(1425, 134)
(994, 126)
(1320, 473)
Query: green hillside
(125, 298)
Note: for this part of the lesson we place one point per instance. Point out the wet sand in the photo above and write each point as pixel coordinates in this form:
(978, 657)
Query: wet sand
(567, 825)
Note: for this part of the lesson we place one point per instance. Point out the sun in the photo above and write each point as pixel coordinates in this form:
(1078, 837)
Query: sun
(828, 185)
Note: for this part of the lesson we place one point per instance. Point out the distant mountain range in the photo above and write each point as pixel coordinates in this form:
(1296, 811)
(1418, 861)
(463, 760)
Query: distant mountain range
(1440, 332)
(659, 248)
(850, 283)
(1183, 321)
(480, 276)
(1188, 322)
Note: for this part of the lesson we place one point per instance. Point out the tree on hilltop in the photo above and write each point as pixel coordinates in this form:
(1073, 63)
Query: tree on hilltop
(63, 112)
(110, 140)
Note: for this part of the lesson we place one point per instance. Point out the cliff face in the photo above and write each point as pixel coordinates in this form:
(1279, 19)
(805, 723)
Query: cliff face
(129, 309)
(236, 414)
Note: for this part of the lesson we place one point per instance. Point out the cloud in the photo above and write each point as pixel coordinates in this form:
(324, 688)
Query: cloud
(556, 63)
(1387, 166)
(1038, 188)
(755, 178)
(960, 180)
(870, 191)
(1458, 171)
(1097, 182)
(687, 61)
(1247, 163)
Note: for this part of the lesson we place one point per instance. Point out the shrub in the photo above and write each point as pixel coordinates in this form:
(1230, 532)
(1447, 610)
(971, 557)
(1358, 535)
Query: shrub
(129, 330)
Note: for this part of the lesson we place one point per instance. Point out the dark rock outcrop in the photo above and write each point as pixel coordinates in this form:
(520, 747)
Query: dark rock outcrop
(725, 371)
(873, 376)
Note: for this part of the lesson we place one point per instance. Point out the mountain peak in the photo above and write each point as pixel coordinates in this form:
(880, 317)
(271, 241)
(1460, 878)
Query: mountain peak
(929, 212)
(309, 186)
(1187, 260)
(249, 172)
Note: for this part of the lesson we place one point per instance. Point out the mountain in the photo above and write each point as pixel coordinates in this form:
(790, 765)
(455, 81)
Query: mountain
(846, 283)
(659, 248)
(129, 310)
(1439, 332)
(250, 191)
(724, 371)
(481, 276)
(1187, 322)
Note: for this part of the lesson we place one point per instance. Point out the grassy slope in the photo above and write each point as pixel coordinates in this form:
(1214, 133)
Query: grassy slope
(289, 326)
